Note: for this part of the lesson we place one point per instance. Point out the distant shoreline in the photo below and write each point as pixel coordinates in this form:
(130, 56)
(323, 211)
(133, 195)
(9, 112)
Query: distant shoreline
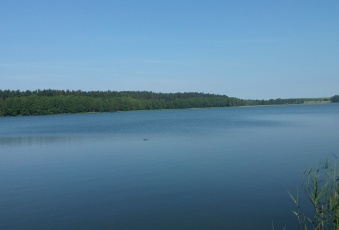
(128, 111)
(49, 102)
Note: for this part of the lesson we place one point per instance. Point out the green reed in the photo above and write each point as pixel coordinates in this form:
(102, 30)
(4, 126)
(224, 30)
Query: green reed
(321, 186)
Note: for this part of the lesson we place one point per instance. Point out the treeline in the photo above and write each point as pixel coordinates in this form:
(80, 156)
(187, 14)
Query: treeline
(335, 99)
(43, 102)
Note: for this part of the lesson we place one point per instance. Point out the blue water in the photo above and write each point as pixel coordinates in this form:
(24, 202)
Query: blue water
(222, 168)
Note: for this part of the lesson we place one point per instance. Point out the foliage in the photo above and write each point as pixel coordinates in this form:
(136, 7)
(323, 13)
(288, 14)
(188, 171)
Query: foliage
(335, 98)
(43, 102)
(321, 186)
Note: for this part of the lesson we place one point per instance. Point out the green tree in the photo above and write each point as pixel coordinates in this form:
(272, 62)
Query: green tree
(335, 99)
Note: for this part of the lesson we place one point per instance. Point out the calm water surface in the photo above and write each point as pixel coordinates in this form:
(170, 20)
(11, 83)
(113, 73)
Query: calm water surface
(223, 168)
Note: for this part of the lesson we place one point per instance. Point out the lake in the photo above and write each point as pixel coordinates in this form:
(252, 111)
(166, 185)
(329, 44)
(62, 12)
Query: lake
(218, 168)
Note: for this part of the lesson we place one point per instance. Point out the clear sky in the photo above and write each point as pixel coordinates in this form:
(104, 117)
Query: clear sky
(247, 49)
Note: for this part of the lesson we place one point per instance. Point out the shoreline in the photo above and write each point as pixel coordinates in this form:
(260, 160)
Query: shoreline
(194, 108)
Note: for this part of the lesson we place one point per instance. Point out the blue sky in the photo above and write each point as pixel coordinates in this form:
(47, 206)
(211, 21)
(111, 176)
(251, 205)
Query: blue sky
(246, 49)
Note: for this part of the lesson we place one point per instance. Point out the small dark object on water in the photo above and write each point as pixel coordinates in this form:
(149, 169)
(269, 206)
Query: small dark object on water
(145, 139)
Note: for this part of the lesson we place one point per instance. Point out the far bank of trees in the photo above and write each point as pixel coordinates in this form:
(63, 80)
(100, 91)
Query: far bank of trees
(335, 99)
(44, 102)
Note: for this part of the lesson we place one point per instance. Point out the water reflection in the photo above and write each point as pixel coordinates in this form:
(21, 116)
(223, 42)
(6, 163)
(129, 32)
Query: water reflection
(37, 140)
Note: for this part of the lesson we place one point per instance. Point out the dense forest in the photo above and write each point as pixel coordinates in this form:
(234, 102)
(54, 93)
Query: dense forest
(335, 99)
(43, 102)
